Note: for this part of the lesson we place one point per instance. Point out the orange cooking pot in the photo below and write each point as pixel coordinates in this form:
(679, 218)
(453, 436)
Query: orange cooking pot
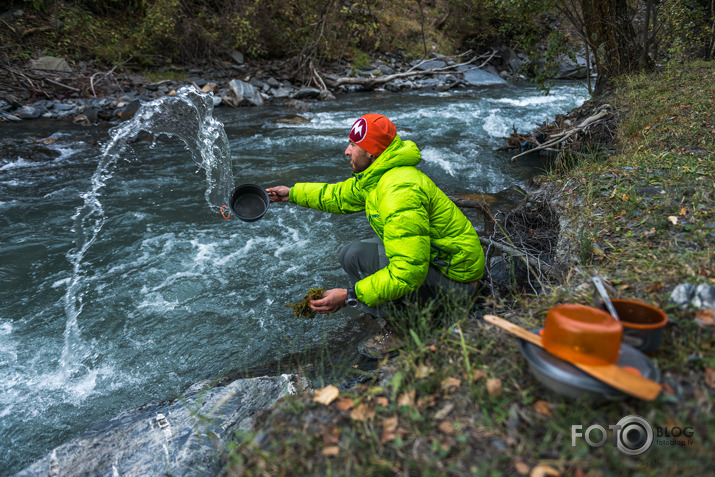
(582, 334)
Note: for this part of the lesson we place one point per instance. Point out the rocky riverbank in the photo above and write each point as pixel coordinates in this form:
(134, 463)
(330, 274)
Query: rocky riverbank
(52, 88)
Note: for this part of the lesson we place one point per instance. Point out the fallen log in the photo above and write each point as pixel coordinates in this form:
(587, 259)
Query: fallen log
(380, 80)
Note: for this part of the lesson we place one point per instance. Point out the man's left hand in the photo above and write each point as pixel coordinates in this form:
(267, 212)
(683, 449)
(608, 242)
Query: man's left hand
(332, 301)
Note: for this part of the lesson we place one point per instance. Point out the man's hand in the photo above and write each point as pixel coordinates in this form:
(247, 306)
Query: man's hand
(278, 193)
(332, 301)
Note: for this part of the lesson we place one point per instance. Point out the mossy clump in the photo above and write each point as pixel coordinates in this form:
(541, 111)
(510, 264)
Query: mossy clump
(302, 308)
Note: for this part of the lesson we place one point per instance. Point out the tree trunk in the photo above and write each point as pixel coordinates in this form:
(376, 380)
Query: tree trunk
(612, 38)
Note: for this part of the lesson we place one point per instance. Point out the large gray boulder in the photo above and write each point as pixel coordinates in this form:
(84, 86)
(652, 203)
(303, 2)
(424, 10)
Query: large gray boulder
(50, 63)
(181, 437)
(571, 68)
(477, 77)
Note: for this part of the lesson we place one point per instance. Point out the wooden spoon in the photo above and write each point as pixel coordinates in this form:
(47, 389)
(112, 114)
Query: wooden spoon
(611, 374)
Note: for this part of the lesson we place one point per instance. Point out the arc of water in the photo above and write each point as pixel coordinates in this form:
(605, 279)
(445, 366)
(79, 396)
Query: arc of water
(186, 116)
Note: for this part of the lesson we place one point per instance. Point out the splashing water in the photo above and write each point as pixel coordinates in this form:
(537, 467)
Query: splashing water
(186, 116)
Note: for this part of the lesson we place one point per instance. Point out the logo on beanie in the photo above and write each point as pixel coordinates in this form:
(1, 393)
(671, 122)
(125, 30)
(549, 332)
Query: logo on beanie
(359, 130)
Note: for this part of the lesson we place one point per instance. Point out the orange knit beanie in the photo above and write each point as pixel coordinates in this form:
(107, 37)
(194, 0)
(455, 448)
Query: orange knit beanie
(373, 132)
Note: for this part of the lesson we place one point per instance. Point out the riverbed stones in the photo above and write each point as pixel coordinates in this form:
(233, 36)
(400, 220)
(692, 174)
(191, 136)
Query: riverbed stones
(272, 80)
(180, 437)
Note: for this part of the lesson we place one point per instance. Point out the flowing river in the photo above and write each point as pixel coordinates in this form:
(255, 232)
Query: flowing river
(121, 282)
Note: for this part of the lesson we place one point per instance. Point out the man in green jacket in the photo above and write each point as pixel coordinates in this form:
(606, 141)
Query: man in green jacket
(426, 245)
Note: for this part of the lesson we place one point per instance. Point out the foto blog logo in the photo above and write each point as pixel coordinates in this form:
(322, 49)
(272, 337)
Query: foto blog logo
(633, 435)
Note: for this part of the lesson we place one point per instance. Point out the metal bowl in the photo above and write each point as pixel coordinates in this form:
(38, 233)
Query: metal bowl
(249, 202)
(567, 380)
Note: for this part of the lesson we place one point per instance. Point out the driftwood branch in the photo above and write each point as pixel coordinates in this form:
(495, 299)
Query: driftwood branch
(469, 203)
(316, 77)
(91, 79)
(556, 139)
(414, 71)
(531, 260)
(62, 85)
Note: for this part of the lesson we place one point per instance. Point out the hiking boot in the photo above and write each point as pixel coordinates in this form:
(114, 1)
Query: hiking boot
(381, 345)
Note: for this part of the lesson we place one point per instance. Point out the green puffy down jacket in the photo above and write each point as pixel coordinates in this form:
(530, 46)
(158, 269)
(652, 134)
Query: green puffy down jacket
(416, 221)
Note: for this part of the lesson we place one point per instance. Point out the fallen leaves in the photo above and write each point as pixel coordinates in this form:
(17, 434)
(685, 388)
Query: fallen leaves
(450, 384)
(331, 451)
(710, 377)
(543, 470)
(522, 468)
(389, 426)
(494, 387)
(543, 408)
(478, 374)
(344, 404)
(326, 395)
(705, 318)
(406, 399)
(331, 437)
(362, 412)
(423, 371)
(446, 427)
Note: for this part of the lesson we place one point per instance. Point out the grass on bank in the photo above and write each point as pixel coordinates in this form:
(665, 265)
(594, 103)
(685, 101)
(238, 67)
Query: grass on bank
(461, 401)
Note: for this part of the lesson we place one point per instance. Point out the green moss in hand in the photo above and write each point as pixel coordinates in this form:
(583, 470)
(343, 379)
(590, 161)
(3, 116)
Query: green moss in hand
(302, 309)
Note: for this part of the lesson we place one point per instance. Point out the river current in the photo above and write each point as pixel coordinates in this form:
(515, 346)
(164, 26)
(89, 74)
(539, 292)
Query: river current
(122, 284)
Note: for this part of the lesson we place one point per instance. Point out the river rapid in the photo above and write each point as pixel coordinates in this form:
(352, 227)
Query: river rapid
(122, 284)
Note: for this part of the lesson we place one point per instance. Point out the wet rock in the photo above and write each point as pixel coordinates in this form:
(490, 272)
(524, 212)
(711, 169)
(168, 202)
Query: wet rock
(571, 69)
(9, 117)
(281, 93)
(82, 120)
(91, 113)
(28, 112)
(300, 106)
(237, 56)
(429, 65)
(476, 77)
(30, 151)
(307, 93)
(245, 94)
(295, 119)
(129, 110)
(180, 437)
(326, 95)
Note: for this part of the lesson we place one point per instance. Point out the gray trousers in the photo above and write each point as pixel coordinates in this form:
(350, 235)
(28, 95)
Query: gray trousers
(363, 258)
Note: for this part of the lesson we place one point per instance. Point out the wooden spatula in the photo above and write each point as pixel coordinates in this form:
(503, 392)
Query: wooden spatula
(611, 374)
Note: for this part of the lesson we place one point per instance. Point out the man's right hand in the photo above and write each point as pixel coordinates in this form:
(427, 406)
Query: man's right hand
(279, 193)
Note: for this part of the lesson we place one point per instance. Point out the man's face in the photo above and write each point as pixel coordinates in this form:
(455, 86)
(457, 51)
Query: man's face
(360, 159)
